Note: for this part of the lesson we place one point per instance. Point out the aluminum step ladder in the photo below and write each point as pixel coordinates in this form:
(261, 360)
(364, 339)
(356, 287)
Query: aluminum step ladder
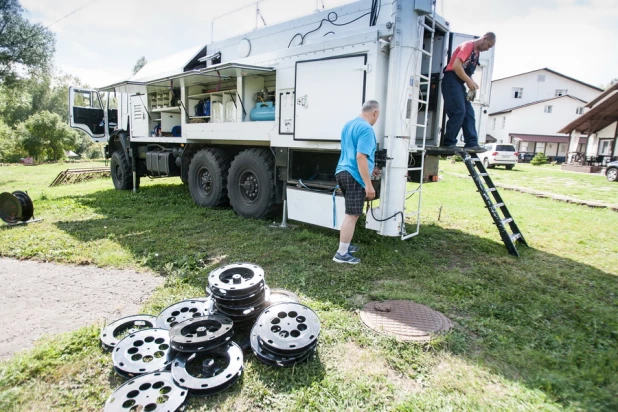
(421, 80)
(494, 203)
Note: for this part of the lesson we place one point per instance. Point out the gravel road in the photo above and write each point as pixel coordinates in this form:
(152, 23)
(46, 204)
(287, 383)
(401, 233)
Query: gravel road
(46, 298)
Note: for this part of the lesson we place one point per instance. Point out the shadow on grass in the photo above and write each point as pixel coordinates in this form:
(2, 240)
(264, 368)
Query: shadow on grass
(543, 320)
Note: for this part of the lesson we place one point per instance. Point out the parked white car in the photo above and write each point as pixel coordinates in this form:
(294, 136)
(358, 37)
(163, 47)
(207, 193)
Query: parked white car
(499, 154)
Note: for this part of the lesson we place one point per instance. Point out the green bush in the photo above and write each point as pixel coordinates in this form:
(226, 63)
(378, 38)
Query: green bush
(457, 158)
(539, 159)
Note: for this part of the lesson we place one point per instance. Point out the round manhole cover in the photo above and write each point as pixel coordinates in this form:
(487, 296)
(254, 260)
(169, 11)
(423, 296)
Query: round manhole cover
(407, 321)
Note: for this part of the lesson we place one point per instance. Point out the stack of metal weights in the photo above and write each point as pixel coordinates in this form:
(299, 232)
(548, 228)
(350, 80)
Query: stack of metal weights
(196, 346)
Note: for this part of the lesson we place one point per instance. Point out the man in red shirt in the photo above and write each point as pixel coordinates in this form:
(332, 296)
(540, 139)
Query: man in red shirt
(459, 110)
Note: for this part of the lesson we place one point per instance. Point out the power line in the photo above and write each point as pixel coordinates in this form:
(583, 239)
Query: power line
(71, 13)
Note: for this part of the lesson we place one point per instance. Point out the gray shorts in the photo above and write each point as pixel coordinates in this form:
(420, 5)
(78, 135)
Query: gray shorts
(353, 193)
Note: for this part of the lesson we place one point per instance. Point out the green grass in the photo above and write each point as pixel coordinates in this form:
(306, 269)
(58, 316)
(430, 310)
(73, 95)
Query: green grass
(535, 333)
(549, 178)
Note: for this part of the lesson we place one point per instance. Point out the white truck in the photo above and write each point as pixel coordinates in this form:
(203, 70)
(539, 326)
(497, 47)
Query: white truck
(255, 120)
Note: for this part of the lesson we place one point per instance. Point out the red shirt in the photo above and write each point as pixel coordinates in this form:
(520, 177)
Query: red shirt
(465, 51)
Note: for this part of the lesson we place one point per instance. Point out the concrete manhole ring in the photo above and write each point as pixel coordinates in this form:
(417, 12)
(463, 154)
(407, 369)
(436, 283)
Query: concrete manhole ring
(406, 320)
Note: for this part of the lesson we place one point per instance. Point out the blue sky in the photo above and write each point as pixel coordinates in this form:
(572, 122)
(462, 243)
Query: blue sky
(101, 42)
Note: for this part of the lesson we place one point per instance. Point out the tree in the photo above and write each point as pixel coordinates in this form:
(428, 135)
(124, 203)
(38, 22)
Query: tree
(46, 134)
(611, 83)
(141, 62)
(24, 46)
(10, 150)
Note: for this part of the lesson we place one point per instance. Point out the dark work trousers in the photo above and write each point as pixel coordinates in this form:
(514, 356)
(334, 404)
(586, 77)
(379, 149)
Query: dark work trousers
(459, 111)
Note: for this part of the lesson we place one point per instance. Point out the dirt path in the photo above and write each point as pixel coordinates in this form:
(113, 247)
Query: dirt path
(46, 298)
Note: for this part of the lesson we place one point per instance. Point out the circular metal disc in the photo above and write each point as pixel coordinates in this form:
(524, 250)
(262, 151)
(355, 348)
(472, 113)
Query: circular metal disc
(26, 204)
(201, 334)
(208, 373)
(155, 391)
(10, 208)
(236, 280)
(112, 333)
(273, 359)
(406, 320)
(252, 299)
(144, 351)
(181, 311)
(287, 328)
(282, 295)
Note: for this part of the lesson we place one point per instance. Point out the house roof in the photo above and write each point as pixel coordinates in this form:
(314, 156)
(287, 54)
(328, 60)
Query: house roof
(533, 103)
(599, 117)
(603, 95)
(543, 138)
(554, 72)
(490, 139)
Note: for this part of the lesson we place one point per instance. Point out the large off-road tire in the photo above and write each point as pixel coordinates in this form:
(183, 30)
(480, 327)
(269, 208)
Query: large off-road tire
(208, 177)
(250, 184)
(120, 168)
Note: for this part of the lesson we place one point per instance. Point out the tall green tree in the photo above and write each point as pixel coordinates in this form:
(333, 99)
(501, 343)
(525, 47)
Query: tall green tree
(46, 135)
(24, 46)
(141, 62)
(10, 149)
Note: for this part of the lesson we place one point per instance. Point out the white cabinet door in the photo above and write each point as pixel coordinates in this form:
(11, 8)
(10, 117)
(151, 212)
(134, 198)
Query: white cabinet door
(329, 93)
(139, 117)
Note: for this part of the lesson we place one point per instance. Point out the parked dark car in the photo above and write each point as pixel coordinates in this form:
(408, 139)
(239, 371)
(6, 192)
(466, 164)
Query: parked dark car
(612, 171)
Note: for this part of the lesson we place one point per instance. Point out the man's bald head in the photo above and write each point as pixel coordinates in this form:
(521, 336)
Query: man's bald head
(487, 41)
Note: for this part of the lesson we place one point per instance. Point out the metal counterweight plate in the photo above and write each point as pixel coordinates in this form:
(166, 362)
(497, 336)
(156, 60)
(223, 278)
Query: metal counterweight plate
(211, 372)
(406, 320)
(181, 311)
(155, 391)
(201, 334)
(236, 280)
(27, 207)
(273, 359)
(115, 331)
(144, 351)
(287, 328)
(252, 299)
(282, 295)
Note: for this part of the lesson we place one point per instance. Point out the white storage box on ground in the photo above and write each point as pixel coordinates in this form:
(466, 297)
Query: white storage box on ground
(315, 207)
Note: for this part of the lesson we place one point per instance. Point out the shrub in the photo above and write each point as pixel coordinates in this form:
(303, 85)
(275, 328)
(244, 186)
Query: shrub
(457, 158)
(539, 159)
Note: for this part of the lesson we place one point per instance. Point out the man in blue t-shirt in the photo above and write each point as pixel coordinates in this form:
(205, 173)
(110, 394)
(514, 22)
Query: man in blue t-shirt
(353, 173)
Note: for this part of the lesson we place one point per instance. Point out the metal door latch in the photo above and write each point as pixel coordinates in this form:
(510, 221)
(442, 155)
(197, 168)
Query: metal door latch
(302, 101)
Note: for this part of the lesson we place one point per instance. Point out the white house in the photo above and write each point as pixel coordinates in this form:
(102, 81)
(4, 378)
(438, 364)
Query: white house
(527, 109)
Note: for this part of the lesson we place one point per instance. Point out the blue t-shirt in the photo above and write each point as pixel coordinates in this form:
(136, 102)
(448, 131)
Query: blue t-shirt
(357, 136)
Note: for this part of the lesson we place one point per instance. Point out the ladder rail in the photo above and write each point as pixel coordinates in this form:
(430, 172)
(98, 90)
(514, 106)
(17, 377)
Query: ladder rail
(427, 81)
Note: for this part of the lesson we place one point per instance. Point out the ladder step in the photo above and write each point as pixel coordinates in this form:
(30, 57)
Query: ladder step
(497, 205)
(421, 101)
(475, 159)
(515, 236)
(413, 191)
(483, 174)
(414, 168)
(428, 28)
(420, 125)
(507, 220)
(423, 77)
(412, 214)
(425, 52)
(491, 189)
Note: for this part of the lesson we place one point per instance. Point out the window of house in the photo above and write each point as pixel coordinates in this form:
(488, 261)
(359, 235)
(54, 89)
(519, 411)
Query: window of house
(523, 147)
(493, 124)
(579, 110)
(503, 121)
(540, 147)
(540, 78)
(561, 92)
(604, 147)
(518, 92)
(548, 108)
